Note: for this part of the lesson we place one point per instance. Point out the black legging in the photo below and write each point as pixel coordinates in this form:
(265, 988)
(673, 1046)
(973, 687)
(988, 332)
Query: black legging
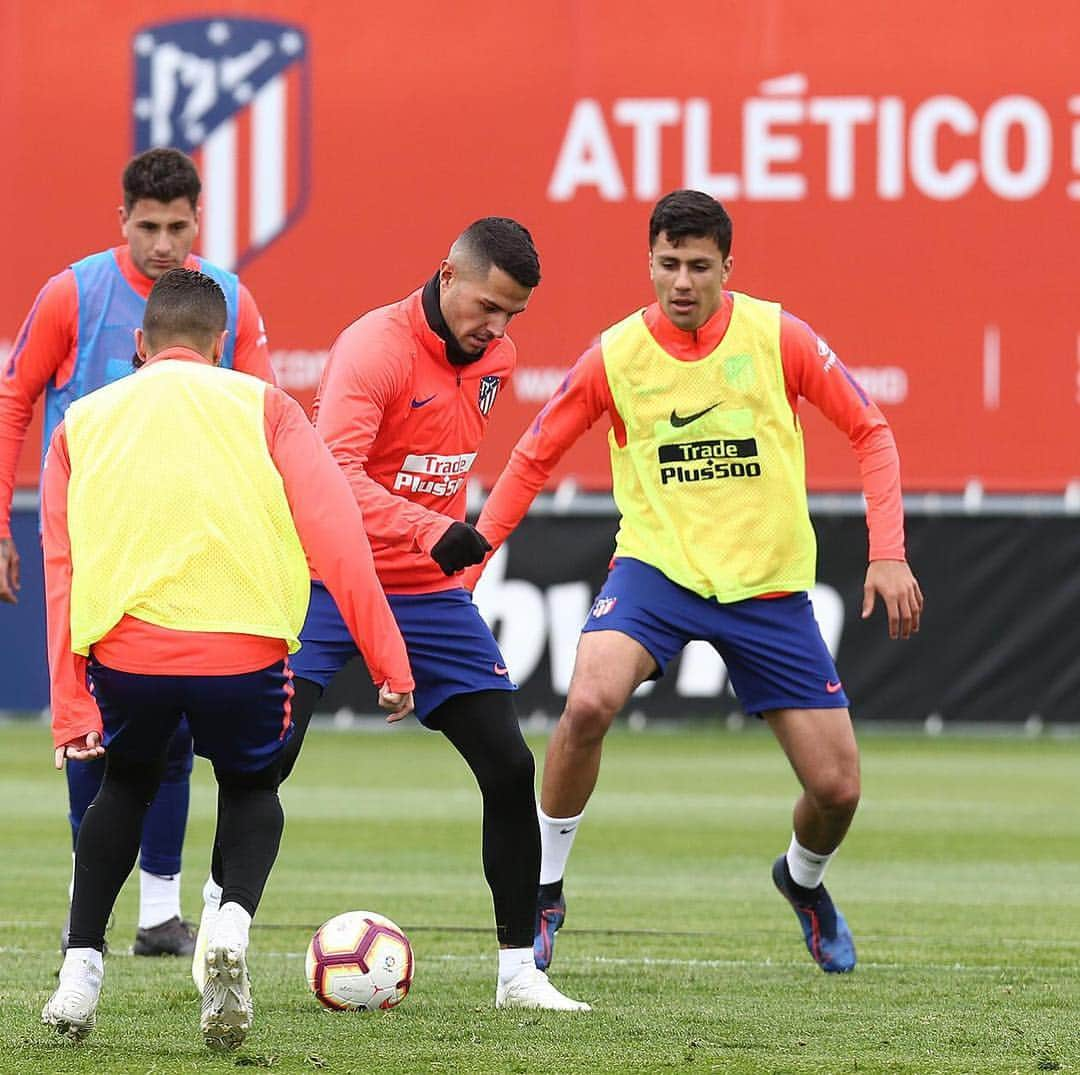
(249, 817)
(484, 729)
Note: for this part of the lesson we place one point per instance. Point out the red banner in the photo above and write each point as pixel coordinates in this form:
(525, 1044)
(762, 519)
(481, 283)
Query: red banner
(905, 178)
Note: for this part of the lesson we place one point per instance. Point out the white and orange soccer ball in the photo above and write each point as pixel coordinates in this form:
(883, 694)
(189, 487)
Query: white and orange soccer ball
(359, 961)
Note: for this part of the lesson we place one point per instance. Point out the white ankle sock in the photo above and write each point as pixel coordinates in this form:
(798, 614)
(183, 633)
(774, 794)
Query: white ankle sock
(512, 961)
(807, 868)
(159, 898)
(211, 894)
(556, 838)
(74, 957)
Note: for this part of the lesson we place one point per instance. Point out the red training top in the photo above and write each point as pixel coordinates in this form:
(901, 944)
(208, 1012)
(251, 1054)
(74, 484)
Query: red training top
(48, 344)
(405, 423)
(331, 531)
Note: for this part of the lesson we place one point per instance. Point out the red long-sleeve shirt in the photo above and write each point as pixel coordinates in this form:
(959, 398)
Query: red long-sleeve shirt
(811, 372)
(47, 346)
(405, 424)
(330, 526)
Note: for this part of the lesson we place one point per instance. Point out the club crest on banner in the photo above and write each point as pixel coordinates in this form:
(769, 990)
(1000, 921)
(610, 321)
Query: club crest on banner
(234, 93)
(489, 389)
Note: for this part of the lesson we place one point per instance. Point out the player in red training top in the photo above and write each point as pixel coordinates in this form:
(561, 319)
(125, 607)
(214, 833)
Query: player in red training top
(714, 543)
(78, 336)
(403, 405)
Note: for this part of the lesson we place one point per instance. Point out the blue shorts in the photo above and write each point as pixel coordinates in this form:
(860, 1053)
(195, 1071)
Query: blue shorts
(240, 722)
(772, 647)
(451, 649)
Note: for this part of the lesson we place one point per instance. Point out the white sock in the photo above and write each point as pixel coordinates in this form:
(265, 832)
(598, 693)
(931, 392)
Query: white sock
(512, 961)
(233, 916)
(74, 957)
(159, 898)
(211, 895)
(556, 838)
(807, 868)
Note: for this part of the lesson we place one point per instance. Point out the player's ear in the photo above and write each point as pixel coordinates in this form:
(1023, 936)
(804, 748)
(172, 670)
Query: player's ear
(729, 264)
(140, 348)
(446, 273)
(122, 213)
(219, 348)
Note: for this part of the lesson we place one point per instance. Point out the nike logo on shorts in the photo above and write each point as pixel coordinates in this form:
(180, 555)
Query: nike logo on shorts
(499, 670)
(423, 402)
(832, 686)
(678, 421)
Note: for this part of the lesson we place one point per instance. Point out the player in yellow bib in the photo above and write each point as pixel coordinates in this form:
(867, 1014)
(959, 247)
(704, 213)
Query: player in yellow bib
(715, 542)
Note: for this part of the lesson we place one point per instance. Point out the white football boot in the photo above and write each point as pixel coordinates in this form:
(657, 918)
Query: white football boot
(72, 1009)
(530, 988)
(207, 922)
(227, 1010)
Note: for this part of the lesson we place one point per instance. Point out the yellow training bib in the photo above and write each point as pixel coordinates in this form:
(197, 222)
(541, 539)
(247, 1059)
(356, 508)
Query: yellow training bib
(176, 512)
(711, 483)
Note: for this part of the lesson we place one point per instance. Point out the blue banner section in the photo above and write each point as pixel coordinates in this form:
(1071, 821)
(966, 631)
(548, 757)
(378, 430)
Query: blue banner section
(25, 682)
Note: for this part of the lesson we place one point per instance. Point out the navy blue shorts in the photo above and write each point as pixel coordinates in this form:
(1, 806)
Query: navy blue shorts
(240, 722)
(772, 647)
(451, 648)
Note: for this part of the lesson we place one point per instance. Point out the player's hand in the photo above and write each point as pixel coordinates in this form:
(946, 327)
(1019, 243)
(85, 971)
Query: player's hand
(900, 594)
(82, 749)
(461, 546)
(9, 571)
(398, 704)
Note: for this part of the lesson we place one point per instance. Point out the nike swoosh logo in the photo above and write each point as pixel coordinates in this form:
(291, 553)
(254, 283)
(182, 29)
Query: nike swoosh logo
(564, 832)
(832, 687)
(499, 670)
(677, 421)
(422, 402)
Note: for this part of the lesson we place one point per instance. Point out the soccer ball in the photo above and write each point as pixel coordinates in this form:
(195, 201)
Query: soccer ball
(359, 961)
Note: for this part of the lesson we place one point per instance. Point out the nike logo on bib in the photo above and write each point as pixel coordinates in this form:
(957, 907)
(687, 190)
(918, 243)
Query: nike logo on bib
(677, 421)
(832, 686)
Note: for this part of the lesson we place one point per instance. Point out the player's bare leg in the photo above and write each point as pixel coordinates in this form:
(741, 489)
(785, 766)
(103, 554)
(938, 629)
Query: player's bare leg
(820, 744)
(608, 668)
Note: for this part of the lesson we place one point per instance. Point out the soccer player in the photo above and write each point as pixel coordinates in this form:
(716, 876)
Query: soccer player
(77, 337)
(403, 405)
(715, 543)
(177, 507)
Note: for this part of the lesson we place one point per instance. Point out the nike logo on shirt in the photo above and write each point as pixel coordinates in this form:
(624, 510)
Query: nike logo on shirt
(423, 402)
(678, 421)
(832, 686)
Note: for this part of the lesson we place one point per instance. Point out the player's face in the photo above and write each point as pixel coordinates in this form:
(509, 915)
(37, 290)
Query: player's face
(159, 234)
(478, 308)
(688, 277)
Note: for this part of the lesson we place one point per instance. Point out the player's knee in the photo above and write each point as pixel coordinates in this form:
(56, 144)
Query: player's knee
(514, 775)
(589, 713)
(838, 792)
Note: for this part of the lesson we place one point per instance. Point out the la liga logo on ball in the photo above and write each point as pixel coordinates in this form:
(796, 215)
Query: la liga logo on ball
(359, 961)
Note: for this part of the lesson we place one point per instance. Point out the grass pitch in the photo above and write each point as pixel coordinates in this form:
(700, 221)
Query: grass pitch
(960, 879)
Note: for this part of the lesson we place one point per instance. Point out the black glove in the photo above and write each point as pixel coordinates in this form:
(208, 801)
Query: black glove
(460, 547)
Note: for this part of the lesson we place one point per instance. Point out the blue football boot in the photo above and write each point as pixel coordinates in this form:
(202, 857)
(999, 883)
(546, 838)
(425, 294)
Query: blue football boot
(825, 931)
(550, 915)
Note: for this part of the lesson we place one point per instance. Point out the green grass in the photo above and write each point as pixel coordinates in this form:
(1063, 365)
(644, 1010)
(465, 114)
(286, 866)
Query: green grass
(961, 879)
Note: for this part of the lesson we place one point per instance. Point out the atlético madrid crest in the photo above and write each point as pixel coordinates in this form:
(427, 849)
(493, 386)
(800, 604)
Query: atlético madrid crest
(489, 389)
(234, 93)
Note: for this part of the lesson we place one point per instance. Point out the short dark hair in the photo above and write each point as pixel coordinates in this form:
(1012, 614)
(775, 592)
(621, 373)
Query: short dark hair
(504, 243)
(185, 306)
(162, 175)
(685, 214)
